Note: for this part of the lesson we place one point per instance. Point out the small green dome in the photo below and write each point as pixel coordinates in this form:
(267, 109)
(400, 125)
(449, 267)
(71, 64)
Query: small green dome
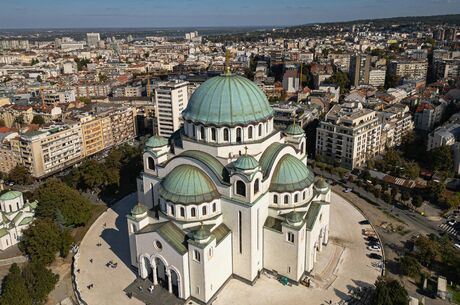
(294, 217)
(294, 130)
(156, 141)
(321, 184)
(187, 184)
(228, 100)
(138, 209)
(290, 175)
(246, 162)
(10, 195)
(201, 234)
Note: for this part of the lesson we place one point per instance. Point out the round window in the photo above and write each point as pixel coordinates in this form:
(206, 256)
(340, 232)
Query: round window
(158, 245)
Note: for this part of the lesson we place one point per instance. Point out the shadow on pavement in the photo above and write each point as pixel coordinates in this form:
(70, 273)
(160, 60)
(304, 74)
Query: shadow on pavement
(117, 237)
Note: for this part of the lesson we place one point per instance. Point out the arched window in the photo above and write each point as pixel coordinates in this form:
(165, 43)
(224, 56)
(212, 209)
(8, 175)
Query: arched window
(133, 227)
(250, 132)
(193, 212)
(301, 149)
(275, 199)
(204, 210)
(151, 163)
(238, 135)
(172, 209)
(304, 194)
(260, 130)
(213, 134)
(182, 211)
(241, 188)
(202, 133)
(256, 186)
(194, 131)
(296, 197)
(226, 134)
(214, 207)
(286, 199)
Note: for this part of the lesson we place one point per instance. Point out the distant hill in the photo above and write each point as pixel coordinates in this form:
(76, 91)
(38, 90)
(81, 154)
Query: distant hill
(453, 19)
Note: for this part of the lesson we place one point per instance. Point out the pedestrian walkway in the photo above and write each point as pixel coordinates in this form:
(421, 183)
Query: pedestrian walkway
(450, 230)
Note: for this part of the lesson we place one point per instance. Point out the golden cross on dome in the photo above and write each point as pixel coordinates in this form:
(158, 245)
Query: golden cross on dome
(227, 62)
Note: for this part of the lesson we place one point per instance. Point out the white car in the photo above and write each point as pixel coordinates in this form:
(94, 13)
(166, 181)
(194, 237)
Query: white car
(457, 246)
(451, 222)
(374, 248)
(347, 190)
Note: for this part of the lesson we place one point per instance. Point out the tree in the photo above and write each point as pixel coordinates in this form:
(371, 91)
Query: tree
(38, 119)
(340, 78)
(55, 195)
(441, 159)
(417, 201)
(40, 281)
(20, 174)
(389, 292)
(409, 266)
(14, 290)
(427, 250)
(41, 241)
(2, 123)
(392, 81)
(435, 192)
(19, 119)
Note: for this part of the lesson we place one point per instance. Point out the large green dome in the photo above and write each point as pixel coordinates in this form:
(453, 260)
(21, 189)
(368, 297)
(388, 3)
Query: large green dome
(228, 100)
(290, 175)
(187, 184)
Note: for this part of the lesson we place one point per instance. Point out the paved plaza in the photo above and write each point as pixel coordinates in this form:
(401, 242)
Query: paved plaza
(342, 265)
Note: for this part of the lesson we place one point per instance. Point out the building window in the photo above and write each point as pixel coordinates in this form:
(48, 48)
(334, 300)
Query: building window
(241, 188)
(204, 211)
(196, 255)
(133, 228)
(214, 207)
(226, 134)
(238, 135)
(290, 237)
(182, 211)
(250, 132)
(193, 212)
(158, 245)
(260, 130)
(171, 207)
(275, 199)
(286, 199)
(301, 149)
(304, 195)
(296, 197)
(256, 186)
(213, 134)
(193, 131)
(202, 133)
(210, 252)
(151, 163)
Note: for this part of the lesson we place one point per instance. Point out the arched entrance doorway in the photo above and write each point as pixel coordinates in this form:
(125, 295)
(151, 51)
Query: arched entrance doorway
(146, 270)
(162, 277)
(174, 282)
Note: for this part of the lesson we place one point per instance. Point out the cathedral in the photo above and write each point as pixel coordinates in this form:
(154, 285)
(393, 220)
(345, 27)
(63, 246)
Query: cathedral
(229, 197)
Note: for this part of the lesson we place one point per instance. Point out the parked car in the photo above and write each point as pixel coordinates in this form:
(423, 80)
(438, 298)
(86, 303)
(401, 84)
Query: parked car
(374, 248)
(375, 256)
(451, 222)
(457, 246)
(347, 190)
(364, 222)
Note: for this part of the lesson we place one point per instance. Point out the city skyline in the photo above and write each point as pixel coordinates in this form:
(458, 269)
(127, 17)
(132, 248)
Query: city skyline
(204, 13)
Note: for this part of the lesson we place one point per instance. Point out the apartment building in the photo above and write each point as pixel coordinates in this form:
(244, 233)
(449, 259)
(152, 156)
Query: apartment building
(429, 113)
(170, 99)
(408, 69)
(50, 150)
(349, 135)
(92, 135)
(396, 123)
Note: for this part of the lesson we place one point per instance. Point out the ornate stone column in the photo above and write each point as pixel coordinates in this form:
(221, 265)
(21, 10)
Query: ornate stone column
(155, 279)
(168, 274)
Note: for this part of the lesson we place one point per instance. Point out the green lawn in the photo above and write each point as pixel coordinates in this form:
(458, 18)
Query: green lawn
(455, 294)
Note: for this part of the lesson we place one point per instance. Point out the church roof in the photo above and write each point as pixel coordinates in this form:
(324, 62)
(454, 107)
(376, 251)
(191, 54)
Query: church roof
(208, 160)
(171, 233)
(312, 214)
(138, 209)
(187, 184)
(228, 100)
(290, 175)
(3, 232)
(268, 157)
(10, 195)
(221, 232)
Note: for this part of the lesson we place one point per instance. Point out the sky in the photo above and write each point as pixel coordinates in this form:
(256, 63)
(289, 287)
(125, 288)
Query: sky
(196, 13)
